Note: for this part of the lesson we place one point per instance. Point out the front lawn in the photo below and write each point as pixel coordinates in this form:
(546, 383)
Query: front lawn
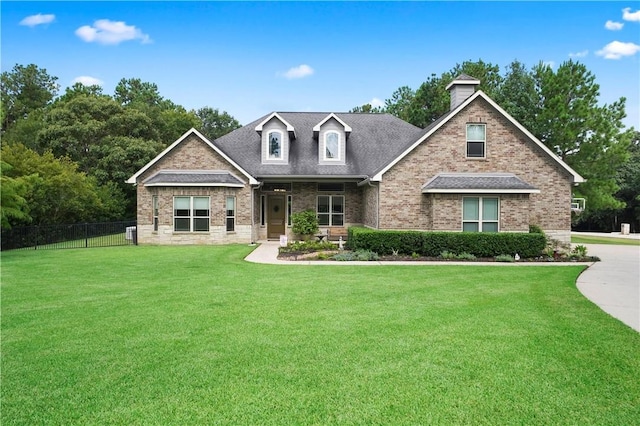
(195, 335)
(605, 239)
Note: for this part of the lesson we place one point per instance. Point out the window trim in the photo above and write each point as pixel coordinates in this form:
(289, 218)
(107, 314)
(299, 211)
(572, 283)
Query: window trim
(484, 142)
(339, 148)
(331, 213)
(231, 216)
(281, 156)
(192, 217)
(481, 221)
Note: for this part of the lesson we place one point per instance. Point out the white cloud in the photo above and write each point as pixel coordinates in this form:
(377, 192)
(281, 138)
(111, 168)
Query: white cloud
(88, 81)
(618, 49)
(579, 54)
(613, 26)
(105, 31)
(300, 71)
(39, 19)
(376, 103)
(628, 15)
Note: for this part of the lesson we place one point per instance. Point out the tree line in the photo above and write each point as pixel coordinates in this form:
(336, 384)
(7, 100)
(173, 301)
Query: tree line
(561, 108)
(65, 158)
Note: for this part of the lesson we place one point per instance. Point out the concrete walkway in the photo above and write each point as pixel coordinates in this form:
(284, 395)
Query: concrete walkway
(614, 283)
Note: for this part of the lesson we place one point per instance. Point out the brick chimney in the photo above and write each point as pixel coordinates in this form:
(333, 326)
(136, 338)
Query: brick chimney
(461, 88)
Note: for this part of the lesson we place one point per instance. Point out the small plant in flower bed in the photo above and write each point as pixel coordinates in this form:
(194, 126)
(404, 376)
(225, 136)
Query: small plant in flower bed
(306, 247)
(452, 256)
(356, 255)
(505, 258)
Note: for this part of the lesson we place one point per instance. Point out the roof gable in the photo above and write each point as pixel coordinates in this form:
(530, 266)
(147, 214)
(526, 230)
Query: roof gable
(133, 179)
(316, 128)
(290, 129)
(430, 130)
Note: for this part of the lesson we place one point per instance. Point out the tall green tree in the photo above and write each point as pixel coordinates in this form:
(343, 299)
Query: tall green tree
(25, 89)
(517, 94)
(215, 123)
(589, 137)
(13, 207)
(367, 109)
(57, 191)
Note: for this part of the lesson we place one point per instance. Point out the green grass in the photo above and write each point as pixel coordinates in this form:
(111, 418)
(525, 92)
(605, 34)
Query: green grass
(588, 239)
(194, 335)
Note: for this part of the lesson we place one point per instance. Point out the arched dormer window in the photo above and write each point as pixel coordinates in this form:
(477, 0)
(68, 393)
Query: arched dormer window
(274, 139)
(332, 146)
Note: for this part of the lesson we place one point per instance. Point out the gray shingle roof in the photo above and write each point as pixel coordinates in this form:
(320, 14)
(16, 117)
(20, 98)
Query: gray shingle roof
(193, 178)
(457, 182)
(375, 140)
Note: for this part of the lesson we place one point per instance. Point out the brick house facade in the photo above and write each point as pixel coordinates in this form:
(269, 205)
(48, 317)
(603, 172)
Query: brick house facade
(474, 169)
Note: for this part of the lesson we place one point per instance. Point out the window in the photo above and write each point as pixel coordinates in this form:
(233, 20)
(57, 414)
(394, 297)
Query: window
(191, 214)
(330, 210)
(480, 214)
(231, 214)
(275, 145)
(288, 210)
(476, 137)
(332, 146)
(154, 201)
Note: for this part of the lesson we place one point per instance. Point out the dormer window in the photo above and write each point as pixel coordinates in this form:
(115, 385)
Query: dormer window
(275, 145)
(332, 146)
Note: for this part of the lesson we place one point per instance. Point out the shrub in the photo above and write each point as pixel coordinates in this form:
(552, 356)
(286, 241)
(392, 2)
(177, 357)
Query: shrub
(307, 247)
(447, 255)
(356, 255)
(504, 258)
(433, 244)
(305, 222)
(466, 256)
(535, 229)
(579, 251)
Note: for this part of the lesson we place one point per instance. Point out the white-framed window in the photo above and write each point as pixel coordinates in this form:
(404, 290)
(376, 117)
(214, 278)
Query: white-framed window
(330, 210)
(231, 214)
(480, 214)
(274, 148)
(154, 202)
(332, 146)
(476, 140)
(191, 214)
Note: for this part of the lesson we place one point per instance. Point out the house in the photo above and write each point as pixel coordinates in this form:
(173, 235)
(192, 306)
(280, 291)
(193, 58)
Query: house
(474, 169)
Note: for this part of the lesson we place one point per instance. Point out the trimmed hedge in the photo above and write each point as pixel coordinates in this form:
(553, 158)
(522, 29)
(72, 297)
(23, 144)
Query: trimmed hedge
(431, 244)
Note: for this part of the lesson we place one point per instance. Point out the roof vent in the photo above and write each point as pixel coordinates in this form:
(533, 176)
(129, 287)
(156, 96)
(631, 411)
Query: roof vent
(461, 88)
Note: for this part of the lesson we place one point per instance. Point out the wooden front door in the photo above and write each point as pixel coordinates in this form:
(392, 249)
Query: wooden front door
(276, 214)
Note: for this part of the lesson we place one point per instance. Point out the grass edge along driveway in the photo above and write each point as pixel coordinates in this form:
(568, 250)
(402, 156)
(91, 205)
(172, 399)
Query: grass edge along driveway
(195, 335)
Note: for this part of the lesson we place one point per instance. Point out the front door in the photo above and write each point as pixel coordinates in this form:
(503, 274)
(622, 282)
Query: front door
(276, 215)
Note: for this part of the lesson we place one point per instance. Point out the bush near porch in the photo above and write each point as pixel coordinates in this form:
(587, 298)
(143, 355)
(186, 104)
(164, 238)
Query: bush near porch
(432, 244)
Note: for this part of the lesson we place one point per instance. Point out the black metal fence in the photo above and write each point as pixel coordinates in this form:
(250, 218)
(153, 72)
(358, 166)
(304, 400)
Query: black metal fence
(78, 235)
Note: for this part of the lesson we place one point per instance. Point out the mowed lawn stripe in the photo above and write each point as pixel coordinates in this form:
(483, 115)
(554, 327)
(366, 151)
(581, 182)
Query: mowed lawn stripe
(194, 335)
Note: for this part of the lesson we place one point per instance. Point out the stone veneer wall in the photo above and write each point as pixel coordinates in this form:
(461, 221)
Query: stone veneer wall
(508, 150)
(370, 205)
(193, 154)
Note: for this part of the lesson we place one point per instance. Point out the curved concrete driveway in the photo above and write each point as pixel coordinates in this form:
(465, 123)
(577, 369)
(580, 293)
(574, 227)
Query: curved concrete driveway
(614, 283)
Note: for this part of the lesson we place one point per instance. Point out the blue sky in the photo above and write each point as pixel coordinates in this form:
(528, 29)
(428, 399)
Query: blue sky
(251, 58)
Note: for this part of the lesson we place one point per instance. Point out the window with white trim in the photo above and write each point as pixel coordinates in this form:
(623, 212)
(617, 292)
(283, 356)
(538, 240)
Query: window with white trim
(330, 210)
(231, 214)
(155, 212)
(480, 214)
(191, 214)
(274, 140)
(332, 146)
(476, 140)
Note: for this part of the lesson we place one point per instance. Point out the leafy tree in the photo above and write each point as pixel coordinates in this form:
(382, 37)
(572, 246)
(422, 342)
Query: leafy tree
(58, 192)
(173, 121)
(589, 137)
(400, 103)
(14, 207)
(517, 94)
(135, 92)
(215, 123)
(23, 90)
(367, 109)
